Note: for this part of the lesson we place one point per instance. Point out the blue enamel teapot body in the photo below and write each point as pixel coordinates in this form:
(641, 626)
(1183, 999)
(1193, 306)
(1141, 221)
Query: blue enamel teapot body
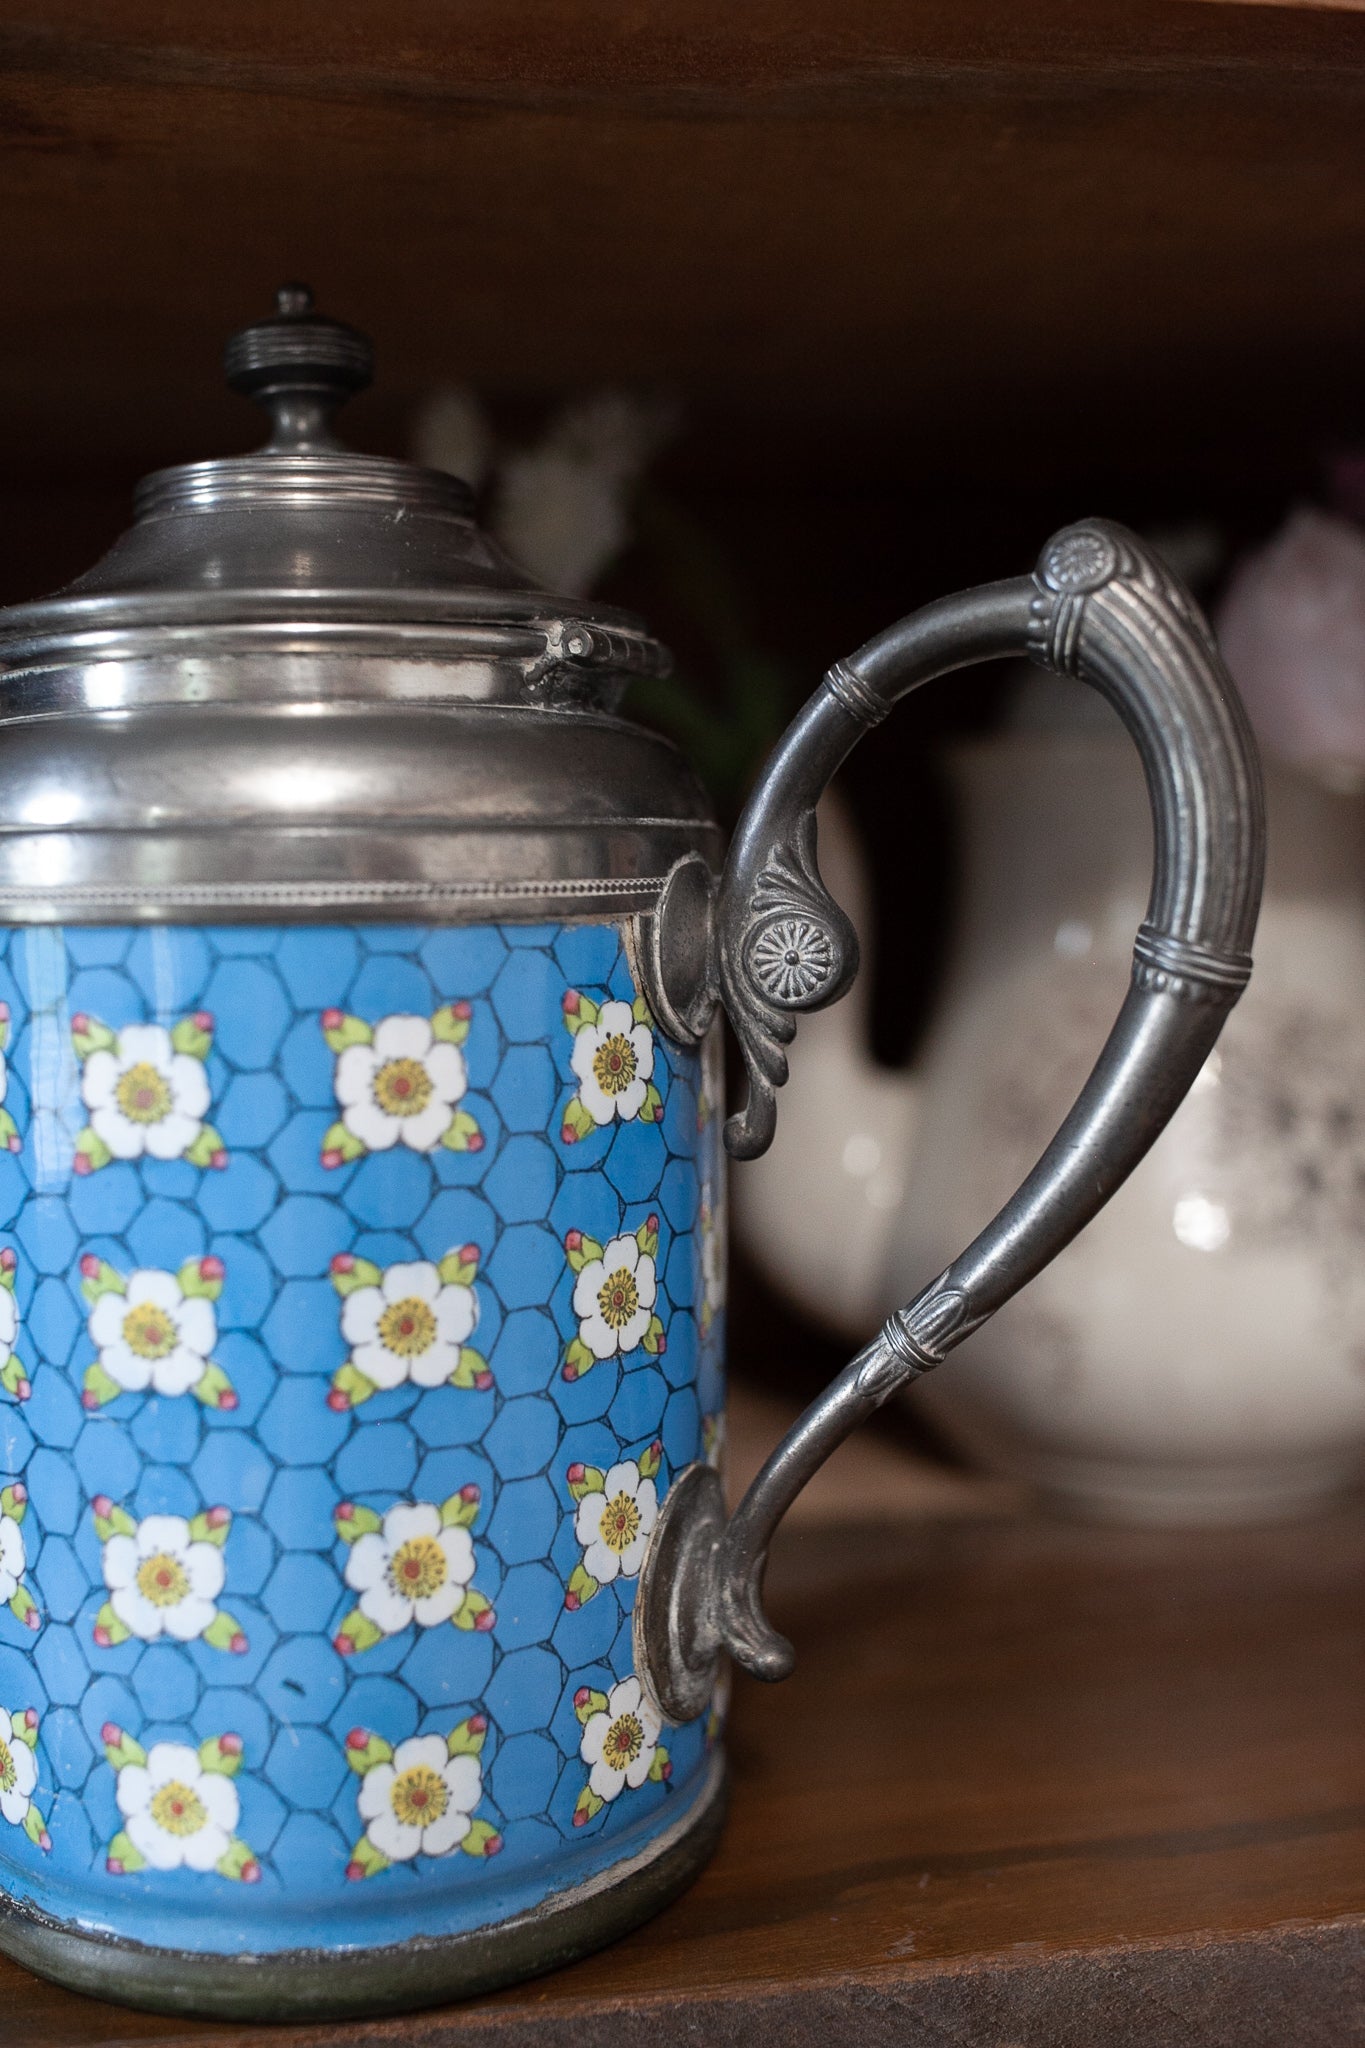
(365, 1579)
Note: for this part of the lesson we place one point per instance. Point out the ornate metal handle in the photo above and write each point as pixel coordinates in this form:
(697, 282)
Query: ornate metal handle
(1100, 606)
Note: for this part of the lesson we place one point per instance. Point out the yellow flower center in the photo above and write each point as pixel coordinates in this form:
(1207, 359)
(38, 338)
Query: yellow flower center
(402, 1087)
(162, 1580)
(613, 1064)
(143, 1094)
(8, 1773)
(178, 1811)
(149, 1331)
(418, 1568)
(419, 1796)
(620, 1523)
(407, 1327)
(625, 1740)
(618, 1298)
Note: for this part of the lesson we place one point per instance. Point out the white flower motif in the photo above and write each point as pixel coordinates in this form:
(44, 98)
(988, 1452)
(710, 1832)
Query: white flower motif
(161, 1581)
(403, 1086)
(614, 1526)
(18, 1773)
(13, 1557)
(614, 1062)
(174, 1811)
(410, 1570)
(409, 1327)
(143, 1095)
(154, 1334)
(613, 1298)
(421, 1803)
(620, 1743)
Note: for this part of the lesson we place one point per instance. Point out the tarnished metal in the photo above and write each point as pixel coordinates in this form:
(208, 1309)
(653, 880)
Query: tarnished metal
(1103, 608)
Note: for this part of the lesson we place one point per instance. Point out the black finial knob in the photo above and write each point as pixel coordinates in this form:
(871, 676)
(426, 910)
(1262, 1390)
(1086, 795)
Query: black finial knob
(300, 366)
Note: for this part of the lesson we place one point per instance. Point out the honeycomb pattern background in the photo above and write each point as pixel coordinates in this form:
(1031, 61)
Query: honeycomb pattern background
(282, 1461)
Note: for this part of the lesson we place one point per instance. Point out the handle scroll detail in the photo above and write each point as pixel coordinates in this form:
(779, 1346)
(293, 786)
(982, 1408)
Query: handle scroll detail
(1100, 607)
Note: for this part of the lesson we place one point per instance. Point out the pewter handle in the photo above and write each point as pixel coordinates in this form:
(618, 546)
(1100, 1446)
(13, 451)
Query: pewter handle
(1101, 607)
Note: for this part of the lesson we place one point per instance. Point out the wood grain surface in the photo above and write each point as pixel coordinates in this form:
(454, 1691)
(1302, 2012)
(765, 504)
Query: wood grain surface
(971, 234)
(1032, 1784)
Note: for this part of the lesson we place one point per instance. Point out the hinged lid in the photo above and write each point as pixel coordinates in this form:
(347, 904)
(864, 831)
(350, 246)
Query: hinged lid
(309, 538)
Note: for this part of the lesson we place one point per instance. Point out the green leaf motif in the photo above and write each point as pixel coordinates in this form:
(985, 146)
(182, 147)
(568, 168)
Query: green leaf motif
(340, 1146)
(122, 1858)
(9, 1133)
(92, 1150)
(471, 1611)
(450, 1025)
(467, 1737)
(349, 1382)
(92, 1037)
(661, 1769)
(587, 1702)
(462, 1133)
(359, 1631)
(118, 1521)
(581, 1588)
(208, 1149)
(224, 1632)
(647, 1237)
(461, 1510)
(483, 1839)
(363, 1756)
(652, 1108)
(106, 1279)
(366, 1860)
(237, 1861)
(457, 1269)
(578, 1359)
(14, 1377)
(472, 1370)
(121, 1748)
(25, 1729)
(194, 1281)
(349, 1273)
(578, 1011)
(590, 1479)
(35, 1827)
(653, 1340)
(210, 1525)
(109, 1630)
(214, 1388)
(577, 1123)
(650, 1460)
(221, 1754)
(14, 1500)
(100, 1388)
(581, 1250)
(189, 1037)
(350, 1521)
(346, 1032)
(586, 1807)
(642, 1013)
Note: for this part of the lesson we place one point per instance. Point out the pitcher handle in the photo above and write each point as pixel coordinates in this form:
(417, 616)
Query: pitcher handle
(1101, 607)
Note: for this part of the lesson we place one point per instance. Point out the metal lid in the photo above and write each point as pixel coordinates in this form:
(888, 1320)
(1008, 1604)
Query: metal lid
(306, 547)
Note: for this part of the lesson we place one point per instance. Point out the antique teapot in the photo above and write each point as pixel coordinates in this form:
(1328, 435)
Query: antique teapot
(365, 1582)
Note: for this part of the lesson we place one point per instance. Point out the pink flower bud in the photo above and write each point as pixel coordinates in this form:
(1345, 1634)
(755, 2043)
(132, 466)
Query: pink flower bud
(218, 1159)
(332, 1020)
(355, 1870)
(202, 1020)
(231, 1745)
(346, 1512)
(80, 1024)
(218, 1518)
(663, 1344)
(652, 1225)
(579, 1817)
(469, 1255)
(89, 1399)
(211, 1268)
(656, 1449)
(470, 1493)
(576, 1472)
(338, 1400)
(462, 1010)
(343, 1262)
(482, 1381)
(15, 1142)
(7, 1259)
(358, 1739)
(103, 1639)
(568, 1135)
(81, 1164)
(19, 1490)
(4, 1012)
(493, 1846)
(45, 1840)
(251, 1872)
(90, 1267)
(582, 1696)
(111, 1735)
(238, 1645)
(572, 1001)
(227, 1401)
(476, 1141)
(573, 1241)
(572, 1602)
(343, 1646)
(24, 1389)
(114, 1866)
(667, 1771)
(570, 1373)
(478, 1724)
(331, 1157)
(30, 1717)
(33, 1619)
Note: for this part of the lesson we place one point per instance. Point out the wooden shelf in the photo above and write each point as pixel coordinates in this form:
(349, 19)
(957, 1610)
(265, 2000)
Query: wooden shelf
(1032, 1783)
(951, 234)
